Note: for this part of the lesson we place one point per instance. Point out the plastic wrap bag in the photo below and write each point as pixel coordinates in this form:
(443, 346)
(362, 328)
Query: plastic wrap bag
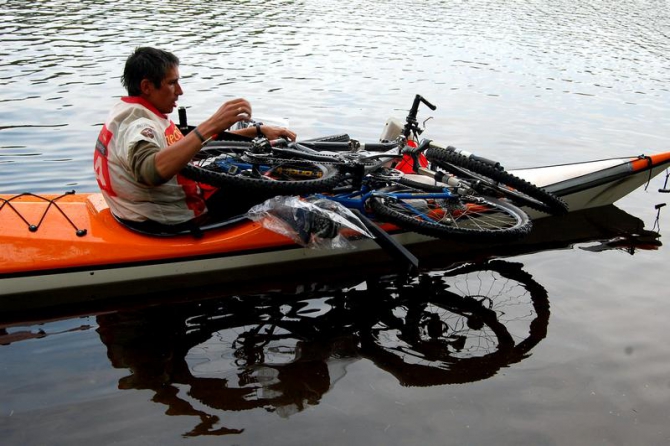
(312, 222)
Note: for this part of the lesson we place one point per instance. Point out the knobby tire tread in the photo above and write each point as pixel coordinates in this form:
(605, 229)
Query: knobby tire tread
(548, 202)
(331, 178)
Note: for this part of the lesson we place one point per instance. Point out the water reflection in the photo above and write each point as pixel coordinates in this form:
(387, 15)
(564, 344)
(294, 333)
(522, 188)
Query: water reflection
(282, 351)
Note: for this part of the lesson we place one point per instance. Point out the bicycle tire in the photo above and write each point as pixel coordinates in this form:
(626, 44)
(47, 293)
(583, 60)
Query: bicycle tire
(489, 178)
(467, 218)
(502, 312)
(298, 177)
(418, 340)
(510, 273)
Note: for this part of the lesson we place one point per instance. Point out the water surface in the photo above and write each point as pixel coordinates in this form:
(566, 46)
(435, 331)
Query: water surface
(563, 343)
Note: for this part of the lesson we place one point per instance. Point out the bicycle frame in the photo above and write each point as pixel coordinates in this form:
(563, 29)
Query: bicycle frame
(357, 199)
(356, 176)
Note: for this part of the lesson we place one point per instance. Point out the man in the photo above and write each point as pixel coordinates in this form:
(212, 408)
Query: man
(140, 151)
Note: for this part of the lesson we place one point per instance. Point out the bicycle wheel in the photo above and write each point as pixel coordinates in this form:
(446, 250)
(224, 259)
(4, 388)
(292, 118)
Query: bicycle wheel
(520, 302)
(468, 218)
(437, 338)
(461, 325)
(491, 181)
(228, 167)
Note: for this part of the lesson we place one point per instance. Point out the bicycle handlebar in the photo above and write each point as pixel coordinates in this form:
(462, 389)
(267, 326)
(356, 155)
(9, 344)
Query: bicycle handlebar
(418, 99)
(411, 124)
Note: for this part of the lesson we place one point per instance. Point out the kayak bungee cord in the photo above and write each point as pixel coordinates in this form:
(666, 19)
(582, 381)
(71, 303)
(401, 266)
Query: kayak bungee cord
(52, 202)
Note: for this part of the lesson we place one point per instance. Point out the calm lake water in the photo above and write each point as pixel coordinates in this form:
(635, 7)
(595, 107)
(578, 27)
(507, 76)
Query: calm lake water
(561, 341)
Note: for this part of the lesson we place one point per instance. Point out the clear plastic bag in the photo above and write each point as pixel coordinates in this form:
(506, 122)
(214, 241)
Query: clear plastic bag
(313, 222)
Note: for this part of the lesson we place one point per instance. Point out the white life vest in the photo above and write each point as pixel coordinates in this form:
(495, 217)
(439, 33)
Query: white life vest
(132, 120)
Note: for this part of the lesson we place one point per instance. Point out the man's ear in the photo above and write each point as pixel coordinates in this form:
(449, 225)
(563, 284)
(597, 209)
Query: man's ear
(146, 86)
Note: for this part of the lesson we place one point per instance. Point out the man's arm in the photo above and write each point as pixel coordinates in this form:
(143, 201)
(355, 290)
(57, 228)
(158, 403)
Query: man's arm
(141, 159)
(270, 132)
(170, 160)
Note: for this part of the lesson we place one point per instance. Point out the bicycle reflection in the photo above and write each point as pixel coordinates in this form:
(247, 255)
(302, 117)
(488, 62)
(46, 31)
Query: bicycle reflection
(284, 351)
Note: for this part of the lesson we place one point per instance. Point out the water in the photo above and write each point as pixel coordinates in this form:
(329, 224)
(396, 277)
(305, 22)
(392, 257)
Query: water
(576, 353)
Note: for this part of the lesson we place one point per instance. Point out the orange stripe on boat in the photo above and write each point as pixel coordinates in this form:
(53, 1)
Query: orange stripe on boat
(647, 161)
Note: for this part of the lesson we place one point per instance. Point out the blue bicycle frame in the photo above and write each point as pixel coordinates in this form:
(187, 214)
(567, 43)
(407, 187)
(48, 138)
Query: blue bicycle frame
(356, 199)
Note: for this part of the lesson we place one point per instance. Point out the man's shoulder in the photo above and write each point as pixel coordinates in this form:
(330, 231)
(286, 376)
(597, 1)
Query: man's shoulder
(124, 116)
(123, 110)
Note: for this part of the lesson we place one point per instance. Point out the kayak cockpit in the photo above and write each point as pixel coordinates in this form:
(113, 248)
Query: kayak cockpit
(98, 205)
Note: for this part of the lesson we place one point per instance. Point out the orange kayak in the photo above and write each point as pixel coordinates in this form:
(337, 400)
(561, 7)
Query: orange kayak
(52, 245)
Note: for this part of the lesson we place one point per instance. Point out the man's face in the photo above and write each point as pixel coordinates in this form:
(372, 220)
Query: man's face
(165, 97)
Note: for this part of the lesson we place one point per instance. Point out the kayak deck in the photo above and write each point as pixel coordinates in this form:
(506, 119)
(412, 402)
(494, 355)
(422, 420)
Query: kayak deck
(57, 243)
(595, 183)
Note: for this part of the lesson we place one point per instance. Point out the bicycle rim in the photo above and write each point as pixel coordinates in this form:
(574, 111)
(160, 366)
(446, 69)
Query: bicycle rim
(227, 168)
(468, 218)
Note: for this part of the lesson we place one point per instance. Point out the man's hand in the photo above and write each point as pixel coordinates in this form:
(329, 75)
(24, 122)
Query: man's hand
(272, 132)
(228, 114)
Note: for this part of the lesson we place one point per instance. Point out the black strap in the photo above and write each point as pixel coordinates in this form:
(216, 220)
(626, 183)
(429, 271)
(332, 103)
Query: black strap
(150, 227)
(259, 132)
(650, 164)
(388, 243)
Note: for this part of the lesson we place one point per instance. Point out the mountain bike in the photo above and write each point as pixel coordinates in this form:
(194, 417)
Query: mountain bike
(478, 203)
(360, 179)
(317, 165)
